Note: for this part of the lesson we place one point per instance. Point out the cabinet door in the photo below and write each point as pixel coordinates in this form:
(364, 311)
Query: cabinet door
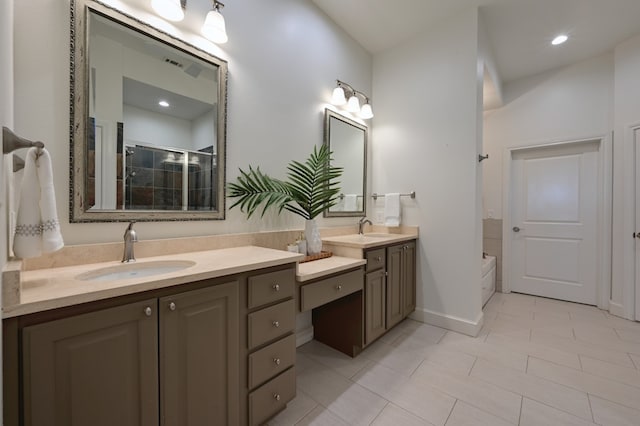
(94, 369)
(409, 278)
(199, 351)
(375, 305)
(394, 285)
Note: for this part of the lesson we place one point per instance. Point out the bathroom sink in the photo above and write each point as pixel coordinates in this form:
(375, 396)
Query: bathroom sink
(135, 270)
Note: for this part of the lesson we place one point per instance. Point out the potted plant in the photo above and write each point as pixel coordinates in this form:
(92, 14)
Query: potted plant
(311, 188)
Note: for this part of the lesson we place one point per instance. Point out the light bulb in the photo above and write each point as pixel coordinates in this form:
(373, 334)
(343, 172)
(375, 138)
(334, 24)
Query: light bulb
(354, 104)
(214, 27)
(168, 9)
(338, 98)
(366, 112)
(559, 39)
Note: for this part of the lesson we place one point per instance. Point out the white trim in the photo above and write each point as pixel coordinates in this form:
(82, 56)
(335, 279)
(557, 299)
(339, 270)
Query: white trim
(616, 309)
(450, 322)
(630, 295)
(604, 214)
(304, 335)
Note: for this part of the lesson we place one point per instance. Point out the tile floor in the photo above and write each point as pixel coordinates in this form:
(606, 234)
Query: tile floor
(536, 362)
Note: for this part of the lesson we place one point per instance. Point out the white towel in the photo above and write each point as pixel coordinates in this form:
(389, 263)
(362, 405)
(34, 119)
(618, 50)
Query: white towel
(350, 203)
(37, 225)
(392, 209)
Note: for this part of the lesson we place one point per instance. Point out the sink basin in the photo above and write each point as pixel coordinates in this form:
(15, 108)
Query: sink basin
(135, 270)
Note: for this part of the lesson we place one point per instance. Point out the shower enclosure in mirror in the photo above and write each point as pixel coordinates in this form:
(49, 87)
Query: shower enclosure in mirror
(148, 113)
(347, 140)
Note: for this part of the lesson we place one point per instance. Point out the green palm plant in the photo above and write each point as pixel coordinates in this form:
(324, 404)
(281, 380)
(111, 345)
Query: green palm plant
(311, 187)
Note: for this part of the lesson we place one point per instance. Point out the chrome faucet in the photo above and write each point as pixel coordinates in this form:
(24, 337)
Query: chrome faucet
(361, 223)
(130, 237)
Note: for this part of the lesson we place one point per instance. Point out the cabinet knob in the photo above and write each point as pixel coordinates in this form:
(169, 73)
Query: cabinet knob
(379, 258)
(276, 361)
(172, 306)
(276, 396)
(276, 324)
(338, 287)
(276, 287)
(147, 311)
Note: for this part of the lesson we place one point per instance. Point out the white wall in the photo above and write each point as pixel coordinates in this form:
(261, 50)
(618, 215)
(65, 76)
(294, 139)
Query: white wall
(627, 113)
(565, 104)
(149, 127)
(425, 139)
(284, 57)
(6, 119)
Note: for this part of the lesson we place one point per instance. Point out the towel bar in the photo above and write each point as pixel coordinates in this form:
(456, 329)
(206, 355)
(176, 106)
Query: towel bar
(411, 194)
(341, 196)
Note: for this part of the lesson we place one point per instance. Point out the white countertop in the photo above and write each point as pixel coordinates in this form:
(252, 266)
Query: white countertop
(368, 240)
(53, 288)
(319, 268)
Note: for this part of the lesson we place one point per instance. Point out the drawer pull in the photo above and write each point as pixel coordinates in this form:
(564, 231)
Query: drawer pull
(276, 287)
(276, 324)
(276, 361)
(147, 311)
(379, 258)
(172, 306)
(276, 396)
(338, 287)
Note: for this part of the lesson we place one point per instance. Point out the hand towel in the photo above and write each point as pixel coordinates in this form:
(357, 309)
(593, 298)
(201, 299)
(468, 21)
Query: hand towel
(350, 203)
(37, 225)
(392, 209)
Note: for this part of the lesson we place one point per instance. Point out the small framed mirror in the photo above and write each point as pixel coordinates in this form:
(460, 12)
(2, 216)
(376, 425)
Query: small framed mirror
(347, 140)
(148, 116)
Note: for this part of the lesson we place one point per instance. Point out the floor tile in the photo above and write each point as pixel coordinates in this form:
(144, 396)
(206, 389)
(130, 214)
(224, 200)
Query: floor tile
(537, 414)
(453, 360)
(538, 350)
(636, 360)
(392, 415)
(629, 335)
(464, 414)
(611, 414)
(541, 390)
(320, 416)
(402, 360)
(493, 399)
(595, 385)
(627, 375)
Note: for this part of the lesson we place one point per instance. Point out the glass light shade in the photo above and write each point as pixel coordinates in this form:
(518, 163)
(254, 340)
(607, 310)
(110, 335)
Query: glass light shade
(168, 9)
(366, 112)
(338, 98)
(560, 39)
(354, 104)
(214, 27)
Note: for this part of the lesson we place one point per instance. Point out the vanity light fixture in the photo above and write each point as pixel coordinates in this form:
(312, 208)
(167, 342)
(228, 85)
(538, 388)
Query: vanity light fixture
(214, 27)
(163, 103)
(169, 9)
(344, 91)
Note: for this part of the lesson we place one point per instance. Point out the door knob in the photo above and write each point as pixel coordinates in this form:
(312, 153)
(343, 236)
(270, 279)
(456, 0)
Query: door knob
(516, 229)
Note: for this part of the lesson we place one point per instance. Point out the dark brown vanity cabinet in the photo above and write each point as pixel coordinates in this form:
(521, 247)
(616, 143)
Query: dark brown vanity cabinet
(171, 361)
(390, 287)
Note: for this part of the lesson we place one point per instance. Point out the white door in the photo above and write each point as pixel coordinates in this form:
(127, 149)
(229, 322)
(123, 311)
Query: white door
(554, 222)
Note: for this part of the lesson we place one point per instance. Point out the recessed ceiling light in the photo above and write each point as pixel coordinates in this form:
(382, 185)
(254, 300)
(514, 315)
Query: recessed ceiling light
(163, 104)
(559, 39)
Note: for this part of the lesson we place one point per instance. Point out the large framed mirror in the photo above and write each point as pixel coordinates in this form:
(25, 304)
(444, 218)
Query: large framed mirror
(148, 115)
(347, 140)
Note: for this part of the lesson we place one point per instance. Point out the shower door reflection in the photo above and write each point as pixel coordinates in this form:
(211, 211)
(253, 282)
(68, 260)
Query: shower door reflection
(160, 178)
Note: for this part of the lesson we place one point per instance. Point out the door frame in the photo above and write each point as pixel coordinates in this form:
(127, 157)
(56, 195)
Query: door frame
(631, 304)
(604, 212)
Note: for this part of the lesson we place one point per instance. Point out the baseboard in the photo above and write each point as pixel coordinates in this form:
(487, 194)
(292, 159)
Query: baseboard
(304, 335)
(460, 325)
(617, 309)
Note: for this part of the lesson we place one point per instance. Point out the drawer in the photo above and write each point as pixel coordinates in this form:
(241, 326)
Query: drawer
(270, 323)
(271, 361)
(271, 287)
(270, 398)
(375, 259)
(324, 291)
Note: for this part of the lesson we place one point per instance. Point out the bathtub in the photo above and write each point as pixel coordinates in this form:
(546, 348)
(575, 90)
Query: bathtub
(488, 278)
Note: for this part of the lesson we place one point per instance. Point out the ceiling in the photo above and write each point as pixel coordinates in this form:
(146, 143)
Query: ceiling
(520, 31)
